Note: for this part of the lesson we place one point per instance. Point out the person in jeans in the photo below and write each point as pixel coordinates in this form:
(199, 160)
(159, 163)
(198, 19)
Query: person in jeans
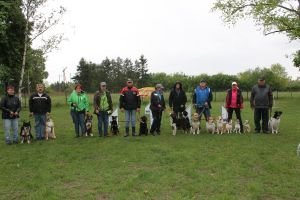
(103, 107)
(177, 99)
(202, 99)
(234, 102)
(130, 102)
(261, 101)
(39, 106)
(11, 106)
(79, 103)
(157, 106)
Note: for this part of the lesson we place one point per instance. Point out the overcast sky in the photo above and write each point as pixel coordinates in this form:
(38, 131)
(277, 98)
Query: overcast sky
(174, 35)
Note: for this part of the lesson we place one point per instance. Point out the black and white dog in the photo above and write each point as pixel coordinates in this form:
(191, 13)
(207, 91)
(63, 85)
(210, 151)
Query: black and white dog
(274, 122)
(185, 124)
(174, 122)
(89, 125)
(114, 127)
(25, 133)
(143, 126)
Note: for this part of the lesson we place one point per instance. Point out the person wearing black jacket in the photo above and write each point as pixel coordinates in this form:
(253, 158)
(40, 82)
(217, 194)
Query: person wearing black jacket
(39, 106)
(177, 98)
(157, 106)
(11, 107)
(103, 107)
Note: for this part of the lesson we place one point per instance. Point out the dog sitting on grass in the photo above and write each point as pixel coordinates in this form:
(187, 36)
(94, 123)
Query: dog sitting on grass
(114, 127)
(185, 122)
(25, 133)
(49, 130)
(246, 125)
(174, 123)
(195, 124)
(210, 125)
(274, 122)
(143, 126)
(228, 127)
(88, 125)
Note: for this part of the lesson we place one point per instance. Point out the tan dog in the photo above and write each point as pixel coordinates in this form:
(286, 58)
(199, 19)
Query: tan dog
(49, 129)
(247, 126)
(237, 127)
(210, 125)
(229, 127)
(195, 128)
(220, 127)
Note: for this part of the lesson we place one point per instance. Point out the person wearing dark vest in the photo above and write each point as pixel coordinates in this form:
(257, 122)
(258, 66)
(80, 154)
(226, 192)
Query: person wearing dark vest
(234, 102)
(39, 106)
(261, 101)
(202, 99)
(10, 106)
(130, 102)
(177, 98)
(157, 106)
(102, 108)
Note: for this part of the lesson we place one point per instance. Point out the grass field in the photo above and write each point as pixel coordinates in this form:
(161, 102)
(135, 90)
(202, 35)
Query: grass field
(251, 166)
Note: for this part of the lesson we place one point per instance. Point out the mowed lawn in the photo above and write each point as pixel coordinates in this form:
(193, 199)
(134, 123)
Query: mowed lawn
(249, 166)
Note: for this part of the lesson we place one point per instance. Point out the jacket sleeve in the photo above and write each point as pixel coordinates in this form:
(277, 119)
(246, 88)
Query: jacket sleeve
(19, 105)
(171, 99)
(49, 104)
(2, 105)
(95, 101)
(163, 102)
(270, 95)
(242, 99)
(138, 99)
(227, 103)
(210, 96)
(252, 97)
(121, 100)
(109, 101)
(184, 98)
(31, 103)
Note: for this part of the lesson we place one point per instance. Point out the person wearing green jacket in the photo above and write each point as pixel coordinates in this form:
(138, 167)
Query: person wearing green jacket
(79, 102)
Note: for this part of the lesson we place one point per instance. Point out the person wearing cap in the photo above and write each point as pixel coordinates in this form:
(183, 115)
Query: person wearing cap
(39, 107)
(261, 101)
(202, 99)
(102, 108)
(177, 98)
(10, 106)
(79, 104)
(234, 102)
(130, 102)
(157, 106)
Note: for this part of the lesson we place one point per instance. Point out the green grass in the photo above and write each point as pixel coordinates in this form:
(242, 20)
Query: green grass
(207, 166)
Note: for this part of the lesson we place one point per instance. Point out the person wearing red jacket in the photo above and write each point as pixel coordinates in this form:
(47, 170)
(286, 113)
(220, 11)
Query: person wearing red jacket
(234, 102)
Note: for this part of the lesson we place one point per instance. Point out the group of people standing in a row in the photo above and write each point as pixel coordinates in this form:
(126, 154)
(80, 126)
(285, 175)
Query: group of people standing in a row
(130, 102)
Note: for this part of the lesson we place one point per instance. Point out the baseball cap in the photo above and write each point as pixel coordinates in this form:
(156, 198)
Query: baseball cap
(102, 83)
(234, 83)
(129, 80)
(159, 86)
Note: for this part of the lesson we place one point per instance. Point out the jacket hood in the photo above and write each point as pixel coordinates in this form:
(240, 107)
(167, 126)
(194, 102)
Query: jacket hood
(177, 82)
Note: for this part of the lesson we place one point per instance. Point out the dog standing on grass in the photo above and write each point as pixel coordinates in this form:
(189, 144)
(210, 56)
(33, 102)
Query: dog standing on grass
(143, 126)
(49, 130)
(185, 122)
(247, 128)
(25, 133)
(237, 127)
(274, 122)
(210, 125)
(174, 122)
(114, 127)
(228, 127)
(88, 125)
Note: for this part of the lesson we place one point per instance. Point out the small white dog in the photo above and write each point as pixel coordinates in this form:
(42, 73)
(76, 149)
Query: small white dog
(220, 126)
(49, 130)
(247, 127)
(228, 127)
(237, 127)
(274, 122)
(210, 125)
(195, 128)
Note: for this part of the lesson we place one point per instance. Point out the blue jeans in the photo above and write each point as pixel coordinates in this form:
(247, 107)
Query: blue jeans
(102, 119)
(40, 123)
(130, 117)
(8, 125)
(78, 120)
(203, 110)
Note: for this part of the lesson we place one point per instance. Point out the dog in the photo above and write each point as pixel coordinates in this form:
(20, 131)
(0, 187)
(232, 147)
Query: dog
(114, 127)
(298, 150)
(274, 122)
(143, 126)
(237, 127)
(210, 125)
(25, 133)
(88, 125)
(195, 128)
(185, 122)
(220, 126)
(228, 127)
(247, 128)
(174, 123)
(49, 130)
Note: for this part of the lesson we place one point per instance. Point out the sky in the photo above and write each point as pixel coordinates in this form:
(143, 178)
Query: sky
(174, 35)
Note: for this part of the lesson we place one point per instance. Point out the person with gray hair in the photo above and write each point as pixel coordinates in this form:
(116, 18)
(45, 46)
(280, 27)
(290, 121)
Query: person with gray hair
(157, 106)
(102, 108)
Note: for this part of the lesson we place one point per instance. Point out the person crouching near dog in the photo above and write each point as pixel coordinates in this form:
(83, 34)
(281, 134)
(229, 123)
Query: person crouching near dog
(39, 107)
(103, 107)
(177, 99)
(130, 102)
(202, 99)
(234, 102)
(261, 101)
(157, 106)
(79, 102)
(10, 106)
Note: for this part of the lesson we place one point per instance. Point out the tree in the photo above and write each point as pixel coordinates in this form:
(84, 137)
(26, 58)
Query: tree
(37, 23)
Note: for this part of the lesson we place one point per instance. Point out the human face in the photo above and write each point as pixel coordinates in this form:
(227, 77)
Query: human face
(177, 86)
(11, 91)
(78, 89)
(40, 88)
(203, 84)
(129, 83)
(234, 86)
(261, 82)
(103, 87)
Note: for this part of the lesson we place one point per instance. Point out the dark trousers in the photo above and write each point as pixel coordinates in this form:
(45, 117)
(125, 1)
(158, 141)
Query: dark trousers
(156, 114)
(203, 110)
(238, 116)
(261, 114)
